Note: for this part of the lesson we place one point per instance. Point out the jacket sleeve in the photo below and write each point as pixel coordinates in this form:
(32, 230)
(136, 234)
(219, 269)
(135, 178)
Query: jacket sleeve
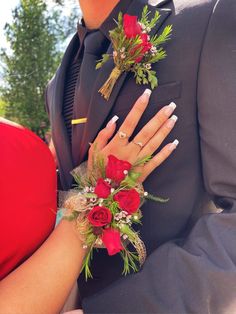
(199, 275)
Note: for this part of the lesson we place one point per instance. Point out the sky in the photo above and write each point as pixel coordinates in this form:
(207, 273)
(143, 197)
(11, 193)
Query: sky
(5, 16)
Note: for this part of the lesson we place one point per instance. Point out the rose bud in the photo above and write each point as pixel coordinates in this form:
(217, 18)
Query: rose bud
(102, 189)
(97, 231)
(115, 168)
(131, 26)
(99, 216)
(128, 200)
(111, 240)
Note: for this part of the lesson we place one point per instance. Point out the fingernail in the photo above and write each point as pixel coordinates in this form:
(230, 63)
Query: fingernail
(173, 145)
(112, 121)
(146, 95)
(170, 108)
(171, 122)
(148, 92)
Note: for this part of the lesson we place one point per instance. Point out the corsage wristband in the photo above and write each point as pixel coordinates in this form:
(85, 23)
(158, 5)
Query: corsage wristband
(105, 205)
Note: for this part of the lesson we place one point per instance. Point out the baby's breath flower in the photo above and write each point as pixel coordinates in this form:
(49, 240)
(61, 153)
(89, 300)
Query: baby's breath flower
(125, 236)
(108, 180)
(86, 189)
(99, 241)
(93, 199)
(142, 26)
(153, 50)
(148, 66)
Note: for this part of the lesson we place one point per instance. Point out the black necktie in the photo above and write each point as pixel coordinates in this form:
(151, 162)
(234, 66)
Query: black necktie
(95, 44)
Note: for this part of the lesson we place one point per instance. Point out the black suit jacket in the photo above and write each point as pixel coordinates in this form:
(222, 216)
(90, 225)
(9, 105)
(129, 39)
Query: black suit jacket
(192, 256)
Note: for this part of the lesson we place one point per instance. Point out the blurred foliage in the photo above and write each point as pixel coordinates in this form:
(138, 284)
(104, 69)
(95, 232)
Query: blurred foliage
(2, 108)
(36, 37)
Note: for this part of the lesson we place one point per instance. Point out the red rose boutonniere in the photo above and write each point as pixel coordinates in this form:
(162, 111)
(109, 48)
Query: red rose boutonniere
(135, 50)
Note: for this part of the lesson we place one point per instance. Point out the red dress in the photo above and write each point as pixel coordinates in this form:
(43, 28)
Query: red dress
(27, 195)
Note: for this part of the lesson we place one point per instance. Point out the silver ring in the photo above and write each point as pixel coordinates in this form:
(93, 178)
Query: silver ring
(140, 144)
(122, 135)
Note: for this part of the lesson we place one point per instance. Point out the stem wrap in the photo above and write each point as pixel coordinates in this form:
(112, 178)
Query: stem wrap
(107, 87)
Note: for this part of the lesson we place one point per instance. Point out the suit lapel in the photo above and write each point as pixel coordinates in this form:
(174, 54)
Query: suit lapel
(99, 108)
(59, 132)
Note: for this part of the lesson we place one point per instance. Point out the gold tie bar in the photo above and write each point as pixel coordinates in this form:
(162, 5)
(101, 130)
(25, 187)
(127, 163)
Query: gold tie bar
(79, 121)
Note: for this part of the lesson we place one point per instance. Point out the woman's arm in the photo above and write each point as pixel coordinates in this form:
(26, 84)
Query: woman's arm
(43, 282)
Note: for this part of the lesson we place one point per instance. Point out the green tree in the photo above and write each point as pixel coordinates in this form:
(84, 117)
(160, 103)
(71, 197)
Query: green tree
(2, 108)
(34, 37)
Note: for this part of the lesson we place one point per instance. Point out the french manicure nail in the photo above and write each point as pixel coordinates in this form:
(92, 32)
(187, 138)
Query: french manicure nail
(172, 105)
(170, 108)
(112, 121)
(148, 92)
(171, 122)
(146, 95)
(173, 145)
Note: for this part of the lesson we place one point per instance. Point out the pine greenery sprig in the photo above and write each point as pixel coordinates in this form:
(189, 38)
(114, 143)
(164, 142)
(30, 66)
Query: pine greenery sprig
(130, 261)
(156, 198)
(87, 264)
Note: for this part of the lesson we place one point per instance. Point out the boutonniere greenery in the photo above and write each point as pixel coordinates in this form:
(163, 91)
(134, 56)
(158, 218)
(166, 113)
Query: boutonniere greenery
(134, 50)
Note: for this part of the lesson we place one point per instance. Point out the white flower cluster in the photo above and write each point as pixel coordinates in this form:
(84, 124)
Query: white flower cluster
(145, 28)
(123, 218)
(148, 66)
(122, 53)
(153, 50)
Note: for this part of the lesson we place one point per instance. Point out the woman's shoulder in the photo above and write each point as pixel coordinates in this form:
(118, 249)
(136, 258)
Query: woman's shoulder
(22, 137)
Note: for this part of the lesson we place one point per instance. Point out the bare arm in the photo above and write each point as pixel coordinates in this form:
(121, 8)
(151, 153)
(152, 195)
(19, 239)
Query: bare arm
(43, 282)
(53, 150)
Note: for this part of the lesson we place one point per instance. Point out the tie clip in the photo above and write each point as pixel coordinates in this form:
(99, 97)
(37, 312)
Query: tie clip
(79, 121)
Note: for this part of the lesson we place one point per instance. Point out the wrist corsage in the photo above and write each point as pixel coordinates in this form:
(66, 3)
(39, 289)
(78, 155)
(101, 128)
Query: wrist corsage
(106, 205)
(134, 50)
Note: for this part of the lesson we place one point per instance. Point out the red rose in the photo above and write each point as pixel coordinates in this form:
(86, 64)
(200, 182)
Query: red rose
(146, 46)
(115, 168)
(102, 189)
(131, 26)
(99, 216)
(111, 240)
(128, 200)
